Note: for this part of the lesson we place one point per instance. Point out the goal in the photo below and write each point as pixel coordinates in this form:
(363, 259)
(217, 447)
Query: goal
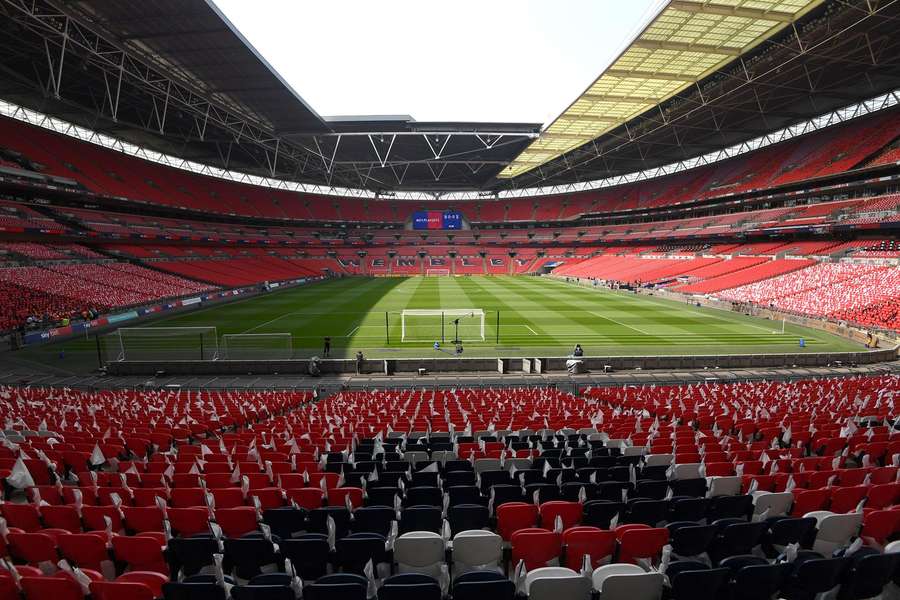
(257, 346)
(163, 343)
(437, 272)
(430, 325)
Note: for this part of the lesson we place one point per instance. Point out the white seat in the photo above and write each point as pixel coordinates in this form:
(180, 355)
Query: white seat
(442, 456)
(659, 460)
(521, 464)
(415, 456)
(556, 583)
(724, 486)
(777, 503)
(487, 464)
(627, 582)
(419, 552)
(634, 451)
(835, 530)
(687, 471)
(477, 550)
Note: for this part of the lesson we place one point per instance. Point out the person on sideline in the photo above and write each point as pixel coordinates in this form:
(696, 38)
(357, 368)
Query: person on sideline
(326, 351)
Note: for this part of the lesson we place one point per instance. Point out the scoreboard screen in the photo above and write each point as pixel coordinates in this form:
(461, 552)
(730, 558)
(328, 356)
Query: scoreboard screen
(436, 219)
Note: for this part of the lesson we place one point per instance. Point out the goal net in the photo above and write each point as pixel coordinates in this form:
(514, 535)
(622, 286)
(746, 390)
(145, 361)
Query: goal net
(430, 325)
(163, 343)
(436, 272)
(257, 346)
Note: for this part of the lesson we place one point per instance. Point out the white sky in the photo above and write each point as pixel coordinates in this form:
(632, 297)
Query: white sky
(440, 60)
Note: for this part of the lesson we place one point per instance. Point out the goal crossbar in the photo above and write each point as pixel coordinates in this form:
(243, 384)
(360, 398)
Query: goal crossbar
(428, 324)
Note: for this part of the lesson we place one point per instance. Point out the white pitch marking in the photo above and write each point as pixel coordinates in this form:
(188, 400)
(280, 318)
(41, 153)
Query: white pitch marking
(531, 330)
(352, 331)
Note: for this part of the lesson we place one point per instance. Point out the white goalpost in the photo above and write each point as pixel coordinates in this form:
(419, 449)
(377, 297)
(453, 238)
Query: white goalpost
(163, 343)
(257, 346)
(430, 325)
(437, 272)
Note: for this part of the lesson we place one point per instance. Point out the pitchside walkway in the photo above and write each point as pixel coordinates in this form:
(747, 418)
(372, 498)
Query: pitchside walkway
(39, 375)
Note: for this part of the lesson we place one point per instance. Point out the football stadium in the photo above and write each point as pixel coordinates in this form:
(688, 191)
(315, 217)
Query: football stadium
(608, 322)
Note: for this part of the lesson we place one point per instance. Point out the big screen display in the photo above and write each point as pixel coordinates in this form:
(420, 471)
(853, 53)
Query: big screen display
(436, 219)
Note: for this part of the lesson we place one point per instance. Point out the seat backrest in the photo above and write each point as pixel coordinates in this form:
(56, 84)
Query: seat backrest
(478, 549)
(638, 586)
(419, 549)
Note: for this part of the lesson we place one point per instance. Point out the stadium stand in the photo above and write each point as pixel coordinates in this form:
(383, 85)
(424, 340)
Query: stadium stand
(613, 473)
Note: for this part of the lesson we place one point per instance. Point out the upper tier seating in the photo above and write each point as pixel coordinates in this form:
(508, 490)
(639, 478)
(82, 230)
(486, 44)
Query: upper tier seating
(828, 151)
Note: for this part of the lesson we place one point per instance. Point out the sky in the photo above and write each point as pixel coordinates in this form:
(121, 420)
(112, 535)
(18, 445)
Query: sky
(449, 60)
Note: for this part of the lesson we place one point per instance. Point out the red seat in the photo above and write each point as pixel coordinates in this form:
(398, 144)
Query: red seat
(336, 496)
(806, 501)
(135, 585)
(308, 498)
(238, 521)
(268, 497)
(513, 516)
(879, 525)
(228, 497)
(86, 550)
(47, 493)
(183, 497)
(57, 588)
(143, 518)
(141, 553)
(8, 589)
(570, 512)
(147, 496)
(645, 542)
(22, 516)
(598, 543)
(62, 517)
(846, 499)
(34, 548)
(94, 517)
(189, 521)
(883, 495)
(537, 547)
(218, 480)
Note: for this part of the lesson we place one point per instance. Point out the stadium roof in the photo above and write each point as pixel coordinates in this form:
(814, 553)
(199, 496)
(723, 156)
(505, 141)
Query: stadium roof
(175, 77)
(685, 42)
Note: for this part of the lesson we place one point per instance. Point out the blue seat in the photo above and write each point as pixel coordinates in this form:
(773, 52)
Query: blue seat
(196, 587)
(478, 585)
(191, 554)
(410, 586)
(689, 539)
(812, 575)
(341, 586)
(373, 519)
(424, 496)
(868, 573)
(756, 580)
(355, 550)
(697, 584)
(318, 520)
(250, 553)
(285, 521)
(465, 517)
(309, 553)
(420, 518)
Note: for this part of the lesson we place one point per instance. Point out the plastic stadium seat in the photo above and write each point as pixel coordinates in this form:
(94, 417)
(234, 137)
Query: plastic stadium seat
(188, 521)
(550, 583)
(309, 553)
(514, 516)
(477, 549)
(598, 543)
(140, 553)
(343, 586)
(419, 552)
(627, 581)
(41, 588)
(537, 547)
(643, 542)
(22, 516)
(569, 512)
(251, 554)
(238, 521)
(87, 550)
(34, 548)
(410, 586)
(476, 585)
(357, 549)
(130, 586)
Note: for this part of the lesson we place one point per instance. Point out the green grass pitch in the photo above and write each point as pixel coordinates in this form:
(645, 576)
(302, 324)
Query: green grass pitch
(538, 316)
